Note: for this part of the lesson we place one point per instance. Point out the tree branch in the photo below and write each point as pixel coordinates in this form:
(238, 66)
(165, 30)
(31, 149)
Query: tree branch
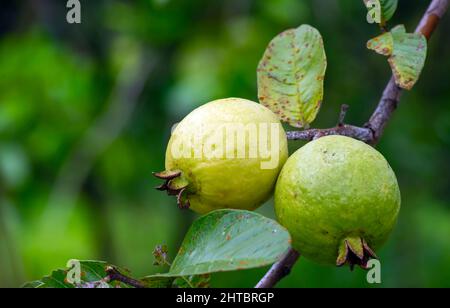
(360, 133)
(115, 275)
(279, 270)
(370, 133)
(372, 130)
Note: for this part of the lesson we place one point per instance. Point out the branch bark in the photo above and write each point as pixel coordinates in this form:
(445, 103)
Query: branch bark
(279, 270)
(370, 133)
(115, 275)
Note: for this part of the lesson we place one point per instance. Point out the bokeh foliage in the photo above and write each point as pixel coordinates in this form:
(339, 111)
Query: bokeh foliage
(58, 80)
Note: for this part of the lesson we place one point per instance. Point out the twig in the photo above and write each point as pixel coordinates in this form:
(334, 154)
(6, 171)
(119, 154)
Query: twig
(279, 270)
(342, 114)
(370, 133)
(115, 275)
(360, 133)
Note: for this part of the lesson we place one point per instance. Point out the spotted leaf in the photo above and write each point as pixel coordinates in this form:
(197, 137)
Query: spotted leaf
(291, 75)
(406, 51)
(228, 240)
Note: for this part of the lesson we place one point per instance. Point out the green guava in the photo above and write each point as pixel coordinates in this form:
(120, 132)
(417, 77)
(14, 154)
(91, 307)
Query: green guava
(339, 199)
(225, 154)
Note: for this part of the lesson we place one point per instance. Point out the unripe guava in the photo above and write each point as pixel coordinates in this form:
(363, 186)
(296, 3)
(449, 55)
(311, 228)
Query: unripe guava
(225, 154)
(339, 198)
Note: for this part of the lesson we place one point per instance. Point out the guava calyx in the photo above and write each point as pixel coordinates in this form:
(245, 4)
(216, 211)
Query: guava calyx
(167, 174)
(355, 251)
(175, 185)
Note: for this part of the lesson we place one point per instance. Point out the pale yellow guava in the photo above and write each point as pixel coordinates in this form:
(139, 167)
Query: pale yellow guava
(225, 154)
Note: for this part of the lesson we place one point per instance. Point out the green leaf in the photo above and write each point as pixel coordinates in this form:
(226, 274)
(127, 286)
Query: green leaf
(91, 275)
(222, 240)
(227, 240)
(406, 51)
(388, 8)
(32, 285)
(55, 280)
(380, 11)
(291, 75)
(199, 281)
(157, 281)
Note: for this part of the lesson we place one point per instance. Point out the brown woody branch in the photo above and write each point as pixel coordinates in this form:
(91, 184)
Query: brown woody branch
(115, 275)
(370, 133)
(279, 270)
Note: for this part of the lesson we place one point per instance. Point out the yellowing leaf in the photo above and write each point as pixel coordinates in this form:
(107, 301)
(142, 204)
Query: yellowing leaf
(291, 75)
(406, 51)
(382, 44)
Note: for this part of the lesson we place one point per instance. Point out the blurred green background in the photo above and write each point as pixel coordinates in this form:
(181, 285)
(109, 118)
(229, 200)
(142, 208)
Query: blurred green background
(86, 112)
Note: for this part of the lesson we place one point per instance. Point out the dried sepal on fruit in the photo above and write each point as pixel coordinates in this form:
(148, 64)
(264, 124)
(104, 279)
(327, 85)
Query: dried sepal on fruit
(174, 185)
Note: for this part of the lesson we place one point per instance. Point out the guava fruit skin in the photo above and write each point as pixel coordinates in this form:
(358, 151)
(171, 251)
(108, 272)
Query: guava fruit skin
(226, 183)
(335, 188)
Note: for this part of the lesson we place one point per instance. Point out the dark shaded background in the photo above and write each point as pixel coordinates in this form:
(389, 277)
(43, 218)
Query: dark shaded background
(86, 111)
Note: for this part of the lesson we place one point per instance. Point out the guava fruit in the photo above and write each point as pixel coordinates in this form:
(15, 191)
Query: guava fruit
(225, 154)
(339, 198)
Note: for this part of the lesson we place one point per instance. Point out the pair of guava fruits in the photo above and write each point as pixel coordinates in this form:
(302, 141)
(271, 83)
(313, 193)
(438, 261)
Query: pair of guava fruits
(338, 197)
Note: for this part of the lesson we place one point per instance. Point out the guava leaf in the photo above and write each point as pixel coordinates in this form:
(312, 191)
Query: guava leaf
(380, 11)
(227, 240)
(291, 75)
(406, 51)
(91, 275)
(199, 281)
(388, 8)
(157, 281)
(222, 240)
